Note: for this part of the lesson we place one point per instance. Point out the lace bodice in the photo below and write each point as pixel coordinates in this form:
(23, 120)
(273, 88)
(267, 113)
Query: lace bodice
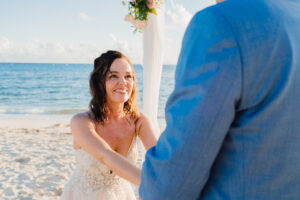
(91, 175)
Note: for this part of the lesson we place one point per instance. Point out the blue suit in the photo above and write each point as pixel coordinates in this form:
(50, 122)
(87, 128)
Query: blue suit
(233, 119)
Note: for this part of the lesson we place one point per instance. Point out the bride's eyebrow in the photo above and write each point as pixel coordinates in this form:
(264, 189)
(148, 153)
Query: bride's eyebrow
(113, 72)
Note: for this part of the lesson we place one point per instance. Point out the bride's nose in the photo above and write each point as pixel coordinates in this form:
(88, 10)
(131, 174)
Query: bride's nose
(122, 80)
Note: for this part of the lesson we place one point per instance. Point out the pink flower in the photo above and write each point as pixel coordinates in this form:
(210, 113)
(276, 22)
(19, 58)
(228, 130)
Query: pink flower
(129, 18)
(139, 24)
(133, 1)
(150, 4)
(136, 23)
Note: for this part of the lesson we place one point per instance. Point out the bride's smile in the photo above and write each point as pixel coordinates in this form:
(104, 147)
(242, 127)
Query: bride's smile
(119, 82)
(121, 91)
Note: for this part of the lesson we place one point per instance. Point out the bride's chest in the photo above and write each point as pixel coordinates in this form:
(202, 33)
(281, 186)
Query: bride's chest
(119, 137)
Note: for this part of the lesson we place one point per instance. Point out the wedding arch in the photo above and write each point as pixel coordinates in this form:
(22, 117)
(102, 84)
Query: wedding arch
(148, 17)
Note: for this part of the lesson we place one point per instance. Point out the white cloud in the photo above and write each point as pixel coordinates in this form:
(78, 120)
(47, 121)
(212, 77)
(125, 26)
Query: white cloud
(4, 44)
(120, 45)
(178, 16)
(38, 51)
(134, 52)
(84, 17)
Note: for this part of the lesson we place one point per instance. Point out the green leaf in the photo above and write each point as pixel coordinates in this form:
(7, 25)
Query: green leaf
(153, 11)
(123, 3)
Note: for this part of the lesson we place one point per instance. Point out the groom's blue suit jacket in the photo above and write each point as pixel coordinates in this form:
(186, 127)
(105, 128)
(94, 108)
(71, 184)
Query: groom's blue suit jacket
(233, 119)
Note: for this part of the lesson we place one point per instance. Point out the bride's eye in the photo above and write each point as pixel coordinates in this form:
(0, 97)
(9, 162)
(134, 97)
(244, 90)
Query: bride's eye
(113, 76)
(128, 77)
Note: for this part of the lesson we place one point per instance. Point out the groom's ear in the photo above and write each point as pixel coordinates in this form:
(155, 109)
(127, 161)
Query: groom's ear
(218, 1)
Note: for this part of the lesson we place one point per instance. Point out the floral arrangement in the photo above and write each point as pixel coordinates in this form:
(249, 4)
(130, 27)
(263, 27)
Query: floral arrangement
(139, 10)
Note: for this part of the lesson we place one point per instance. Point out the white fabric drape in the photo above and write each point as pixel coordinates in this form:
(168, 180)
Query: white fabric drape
(153, 48)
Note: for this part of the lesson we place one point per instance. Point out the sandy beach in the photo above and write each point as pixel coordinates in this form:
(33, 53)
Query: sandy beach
(36, 158)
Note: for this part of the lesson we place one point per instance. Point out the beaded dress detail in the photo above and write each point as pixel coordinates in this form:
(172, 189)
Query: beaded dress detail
(92, 180)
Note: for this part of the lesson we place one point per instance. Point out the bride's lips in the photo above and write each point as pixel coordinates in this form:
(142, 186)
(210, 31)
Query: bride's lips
(120, 91)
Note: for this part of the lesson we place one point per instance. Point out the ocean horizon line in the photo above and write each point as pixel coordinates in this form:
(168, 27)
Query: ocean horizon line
(71, 63)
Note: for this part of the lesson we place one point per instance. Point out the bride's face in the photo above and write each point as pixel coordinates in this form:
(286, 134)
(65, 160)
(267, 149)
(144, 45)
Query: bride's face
(119, 81)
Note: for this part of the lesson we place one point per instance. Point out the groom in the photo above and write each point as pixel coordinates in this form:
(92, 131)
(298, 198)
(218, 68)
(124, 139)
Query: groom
(233, 119)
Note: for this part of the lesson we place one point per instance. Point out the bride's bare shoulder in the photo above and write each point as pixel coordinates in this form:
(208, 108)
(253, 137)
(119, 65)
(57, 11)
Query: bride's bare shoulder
(142, 117)
(142, 121)
(81, 118)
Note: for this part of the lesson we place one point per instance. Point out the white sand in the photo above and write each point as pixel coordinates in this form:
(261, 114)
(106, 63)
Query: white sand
(36, 158)
(33, 123)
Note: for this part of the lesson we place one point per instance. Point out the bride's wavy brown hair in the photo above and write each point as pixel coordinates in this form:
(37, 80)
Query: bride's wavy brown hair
(98, 104)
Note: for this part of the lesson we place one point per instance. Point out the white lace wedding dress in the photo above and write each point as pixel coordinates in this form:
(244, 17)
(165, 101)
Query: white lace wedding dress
(92, 180)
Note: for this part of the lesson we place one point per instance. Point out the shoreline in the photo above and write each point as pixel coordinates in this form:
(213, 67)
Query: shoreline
(32, 123)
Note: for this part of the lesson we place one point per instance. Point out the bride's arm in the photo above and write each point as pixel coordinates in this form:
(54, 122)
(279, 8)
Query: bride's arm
(146, 132)
(86, 137)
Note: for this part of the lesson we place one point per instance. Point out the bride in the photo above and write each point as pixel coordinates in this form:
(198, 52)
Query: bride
(105, 136)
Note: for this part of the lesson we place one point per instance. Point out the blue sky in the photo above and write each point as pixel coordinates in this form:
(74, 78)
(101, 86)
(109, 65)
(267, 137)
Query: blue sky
(77, 31)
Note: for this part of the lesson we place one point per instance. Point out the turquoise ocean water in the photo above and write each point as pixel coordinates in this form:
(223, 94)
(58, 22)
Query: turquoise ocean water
(32, 90)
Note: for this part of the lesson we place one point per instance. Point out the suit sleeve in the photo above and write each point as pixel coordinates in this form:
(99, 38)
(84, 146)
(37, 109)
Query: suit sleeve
(199, 112)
